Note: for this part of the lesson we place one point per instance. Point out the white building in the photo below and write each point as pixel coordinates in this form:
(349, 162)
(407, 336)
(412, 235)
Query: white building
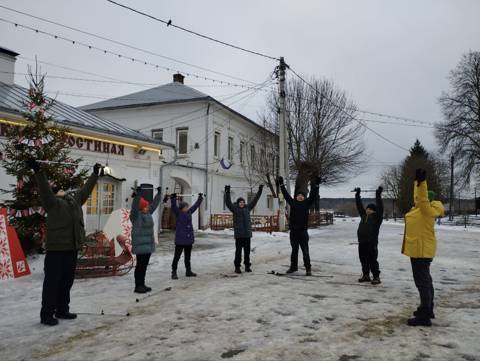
(205, 131)
(133, 157)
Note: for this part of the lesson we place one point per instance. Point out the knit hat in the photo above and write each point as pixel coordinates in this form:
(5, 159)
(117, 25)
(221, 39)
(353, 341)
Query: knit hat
(143, 203)
(302, 193)
(372, 206)
(431, 195)
(240, 199)
(182, 205)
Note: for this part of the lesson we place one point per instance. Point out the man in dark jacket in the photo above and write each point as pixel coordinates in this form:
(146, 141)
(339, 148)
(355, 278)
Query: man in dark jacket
(242, 227)
(65, 235)
(370, 221)
(298, 223)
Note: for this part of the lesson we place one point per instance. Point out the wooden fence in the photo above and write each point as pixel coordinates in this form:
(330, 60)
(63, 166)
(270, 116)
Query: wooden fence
(267, 223)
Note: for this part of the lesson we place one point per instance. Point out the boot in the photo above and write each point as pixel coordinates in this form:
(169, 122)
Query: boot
(66, 315)
(174, 275)
(376, 280)
(248, 269)
(292, 269)
(430, 313)
(149, 289)
(189, 273)
(140, 289)
(365, 278)
(309, 271)
(421, 319)
(237, 269)
(49, 321)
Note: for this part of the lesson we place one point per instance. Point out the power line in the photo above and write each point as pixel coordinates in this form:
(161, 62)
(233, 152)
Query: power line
(126, 57)
(124, 44)
(169, 23)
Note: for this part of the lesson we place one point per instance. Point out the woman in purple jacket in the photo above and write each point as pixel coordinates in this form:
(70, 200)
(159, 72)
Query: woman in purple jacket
(184, 236)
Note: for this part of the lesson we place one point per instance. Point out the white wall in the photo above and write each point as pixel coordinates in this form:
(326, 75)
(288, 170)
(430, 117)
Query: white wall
(7, 67)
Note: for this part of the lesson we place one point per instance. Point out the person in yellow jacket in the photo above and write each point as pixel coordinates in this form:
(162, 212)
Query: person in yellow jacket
(420, 244)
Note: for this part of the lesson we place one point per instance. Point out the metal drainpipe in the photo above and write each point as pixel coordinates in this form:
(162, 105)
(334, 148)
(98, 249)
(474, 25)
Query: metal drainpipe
(160, 182)
(206, 160)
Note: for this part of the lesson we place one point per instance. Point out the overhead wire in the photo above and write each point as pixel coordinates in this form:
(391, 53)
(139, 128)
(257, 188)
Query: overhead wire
(125, 44)
(171, 24)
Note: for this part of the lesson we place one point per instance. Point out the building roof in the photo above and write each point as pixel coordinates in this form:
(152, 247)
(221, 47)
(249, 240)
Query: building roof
(13, 97)
(7, 51)
(169, 93)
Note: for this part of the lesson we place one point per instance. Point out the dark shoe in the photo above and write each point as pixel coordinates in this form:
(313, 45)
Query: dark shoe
(238, 270)
(174, 275)
(419, 322)
(248, 269)
(190, 274)
(430, 314)
(309, 272)
(49, 321)
(376, 281)
(66, 315)
(365, 278)
(149, 289)
(140, 289)
(291, 270)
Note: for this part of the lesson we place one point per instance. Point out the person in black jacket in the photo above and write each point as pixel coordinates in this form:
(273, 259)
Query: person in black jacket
(242, 226)
(371, 219)
(298, 223)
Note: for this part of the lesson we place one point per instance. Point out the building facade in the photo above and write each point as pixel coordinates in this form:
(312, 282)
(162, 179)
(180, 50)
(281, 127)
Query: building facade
(215, 145)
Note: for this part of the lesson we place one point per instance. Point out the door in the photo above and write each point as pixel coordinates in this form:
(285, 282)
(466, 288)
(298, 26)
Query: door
(101, 203)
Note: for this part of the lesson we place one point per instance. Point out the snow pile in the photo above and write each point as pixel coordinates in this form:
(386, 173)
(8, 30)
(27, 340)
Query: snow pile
(259, 316)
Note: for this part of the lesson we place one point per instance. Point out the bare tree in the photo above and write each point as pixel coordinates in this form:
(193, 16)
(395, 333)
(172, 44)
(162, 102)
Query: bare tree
(459, 133)
(390, 180)
(325, 140)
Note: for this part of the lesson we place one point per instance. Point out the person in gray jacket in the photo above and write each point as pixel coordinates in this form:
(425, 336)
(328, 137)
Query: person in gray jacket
(242, 227)
(143, 239)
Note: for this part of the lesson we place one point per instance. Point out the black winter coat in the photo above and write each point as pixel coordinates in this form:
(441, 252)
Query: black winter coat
(242, 224)
(299, 211)
(369, 226)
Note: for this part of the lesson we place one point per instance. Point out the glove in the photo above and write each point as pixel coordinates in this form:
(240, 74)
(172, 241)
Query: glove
(200, 195)
(357, 191)
(280, 180)
(159, 189)
(173, 195)
(165, 199)
(32, 164)
(420, 175)
(227, 189)
(379, 191)
(260, 188)
(96, 168)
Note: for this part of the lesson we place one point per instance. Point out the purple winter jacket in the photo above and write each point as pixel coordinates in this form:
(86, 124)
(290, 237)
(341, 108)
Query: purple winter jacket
(184, 229)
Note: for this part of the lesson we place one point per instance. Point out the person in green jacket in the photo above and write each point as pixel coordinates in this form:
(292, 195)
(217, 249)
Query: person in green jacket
(65, 235)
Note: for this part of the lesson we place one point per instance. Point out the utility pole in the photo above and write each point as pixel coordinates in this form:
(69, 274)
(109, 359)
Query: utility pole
(282, 140)
(476, 208)
(450, 205)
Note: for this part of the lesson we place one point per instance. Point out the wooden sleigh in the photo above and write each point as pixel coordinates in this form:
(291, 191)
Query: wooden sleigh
(107, 253)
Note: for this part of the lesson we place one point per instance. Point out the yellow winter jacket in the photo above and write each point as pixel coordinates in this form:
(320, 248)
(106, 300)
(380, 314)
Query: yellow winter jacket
(419, 238)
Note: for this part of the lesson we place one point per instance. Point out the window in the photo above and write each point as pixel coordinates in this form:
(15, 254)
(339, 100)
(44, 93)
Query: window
(230, 148)
(242, 151)
(92, 201)
(216, 144)
(182, 141)
(108, 196)
(270, 202)
(157, 134)
(252, 156)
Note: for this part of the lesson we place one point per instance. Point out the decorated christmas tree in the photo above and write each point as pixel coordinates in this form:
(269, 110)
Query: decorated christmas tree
(43, 139)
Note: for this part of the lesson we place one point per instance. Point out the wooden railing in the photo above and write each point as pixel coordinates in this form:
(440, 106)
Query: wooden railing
(267, 223)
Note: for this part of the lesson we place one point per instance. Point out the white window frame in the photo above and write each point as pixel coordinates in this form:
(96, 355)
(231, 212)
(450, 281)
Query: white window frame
(216, 143)
(182, 131)
(156, 131)
(242, 152)
(230, 149)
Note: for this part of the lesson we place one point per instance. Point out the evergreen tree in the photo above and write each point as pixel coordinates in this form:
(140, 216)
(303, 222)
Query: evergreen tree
(43, 139)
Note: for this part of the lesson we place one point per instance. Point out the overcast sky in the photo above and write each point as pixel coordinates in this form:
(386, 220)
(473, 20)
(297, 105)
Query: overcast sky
(390, 57)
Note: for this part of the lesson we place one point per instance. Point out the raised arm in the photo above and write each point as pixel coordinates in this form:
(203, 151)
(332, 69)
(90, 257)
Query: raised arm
(228, 199)
(173, 202)
(87, 189)
(197, 203)
(358, 202)
(156, 201)
(134, 208)
(254, 202)
(45, 191)
(314, 187)
(430, 209)
(379, 202)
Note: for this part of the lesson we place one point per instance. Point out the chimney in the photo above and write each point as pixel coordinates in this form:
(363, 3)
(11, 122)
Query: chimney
(178, 78)
(7, 65)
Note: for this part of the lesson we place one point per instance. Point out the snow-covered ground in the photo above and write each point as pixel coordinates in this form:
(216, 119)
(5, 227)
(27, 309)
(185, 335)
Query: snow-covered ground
(259, 316)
